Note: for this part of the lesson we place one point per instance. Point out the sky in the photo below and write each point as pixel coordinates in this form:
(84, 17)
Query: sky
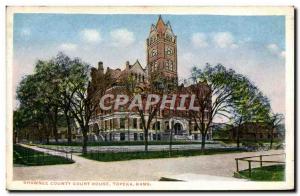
(251, 45)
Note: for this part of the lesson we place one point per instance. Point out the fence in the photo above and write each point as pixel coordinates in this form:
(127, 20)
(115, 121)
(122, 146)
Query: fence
(260, 161)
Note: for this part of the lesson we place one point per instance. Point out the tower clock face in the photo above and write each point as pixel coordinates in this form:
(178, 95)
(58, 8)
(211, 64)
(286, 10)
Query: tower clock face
(153, 52)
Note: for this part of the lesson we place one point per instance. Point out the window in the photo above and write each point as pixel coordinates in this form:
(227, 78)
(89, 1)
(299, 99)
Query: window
(154, 136)
(135, 136)
(110, 124)
(196, 136)
(141, 124)
(156, 126)
(122, 136)
(153, 39)
(134, 123)
(168, 37)
(169, 65)
(141, 136)
(105, 125)
(122, 123)
(154, 52)
(169, 51)
(195, 128)
(155, 65)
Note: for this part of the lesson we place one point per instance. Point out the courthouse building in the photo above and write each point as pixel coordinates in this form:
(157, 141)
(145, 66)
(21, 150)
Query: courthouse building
(123, 125)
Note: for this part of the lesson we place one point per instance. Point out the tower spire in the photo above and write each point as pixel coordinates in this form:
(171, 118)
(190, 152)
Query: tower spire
(160, 25)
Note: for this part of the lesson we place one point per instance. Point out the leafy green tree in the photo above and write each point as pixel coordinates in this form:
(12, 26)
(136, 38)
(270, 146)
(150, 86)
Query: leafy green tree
(48, 91)
(33, 110)
(70, 76)
(227, 94)
(249, 106)
(274, 121)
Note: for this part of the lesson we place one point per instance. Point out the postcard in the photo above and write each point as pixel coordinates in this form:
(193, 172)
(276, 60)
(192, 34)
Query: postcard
(150, 98)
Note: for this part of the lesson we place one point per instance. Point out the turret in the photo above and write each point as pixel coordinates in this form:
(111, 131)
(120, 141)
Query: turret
(100, 66)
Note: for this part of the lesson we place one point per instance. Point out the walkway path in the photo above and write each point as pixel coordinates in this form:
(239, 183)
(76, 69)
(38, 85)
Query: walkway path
(143, 170)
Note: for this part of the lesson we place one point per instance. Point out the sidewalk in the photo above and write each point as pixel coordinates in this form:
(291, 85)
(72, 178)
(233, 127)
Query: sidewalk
(222, 165)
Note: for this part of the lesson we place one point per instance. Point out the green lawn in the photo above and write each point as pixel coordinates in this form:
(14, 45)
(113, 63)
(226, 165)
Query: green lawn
(29, 157)
(125, 143)
(266, 173)
(123, 156)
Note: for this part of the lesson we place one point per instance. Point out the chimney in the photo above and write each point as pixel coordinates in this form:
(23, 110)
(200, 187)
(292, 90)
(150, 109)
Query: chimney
(127, 65)
(100, 66)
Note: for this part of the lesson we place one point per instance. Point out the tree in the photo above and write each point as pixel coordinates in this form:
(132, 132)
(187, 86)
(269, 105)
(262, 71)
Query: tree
(69, 77)
(249, 106)
(219, 92)
(86, 96)
(33, 107)
(274, 121)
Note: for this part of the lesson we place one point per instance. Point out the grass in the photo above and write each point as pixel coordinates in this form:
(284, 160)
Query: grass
(266, 173)
(123, 156)
(29, 157)
(124, 143)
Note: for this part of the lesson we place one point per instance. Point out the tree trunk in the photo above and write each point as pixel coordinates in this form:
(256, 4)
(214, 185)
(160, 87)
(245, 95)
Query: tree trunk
(237, 138)
(271, 141)
(47, 140)
(55, 132)
(85, 140)
(69, 133)
(203, 141)
(55, 126)
(146, 139)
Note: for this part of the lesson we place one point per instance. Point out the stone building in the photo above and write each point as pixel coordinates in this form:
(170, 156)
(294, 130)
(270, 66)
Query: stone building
(123, 125)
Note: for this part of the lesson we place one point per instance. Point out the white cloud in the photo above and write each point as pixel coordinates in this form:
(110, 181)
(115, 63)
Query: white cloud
(122, 37)
(67, 47)
(248, 60)
(199, 40)
(25, 32)
(282, 54)
(224, 40)
(91, 35)
(275, 50)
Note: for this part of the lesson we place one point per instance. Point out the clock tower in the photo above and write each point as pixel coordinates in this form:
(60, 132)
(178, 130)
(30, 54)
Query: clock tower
(162, 51)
